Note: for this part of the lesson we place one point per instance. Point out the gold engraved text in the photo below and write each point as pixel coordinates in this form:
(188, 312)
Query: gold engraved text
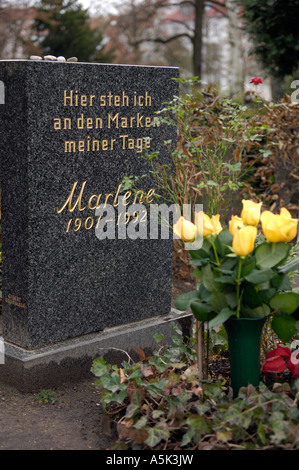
(15, 300)
(72, 202)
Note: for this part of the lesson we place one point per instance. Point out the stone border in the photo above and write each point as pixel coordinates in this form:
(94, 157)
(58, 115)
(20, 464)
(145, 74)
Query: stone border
(71, 360)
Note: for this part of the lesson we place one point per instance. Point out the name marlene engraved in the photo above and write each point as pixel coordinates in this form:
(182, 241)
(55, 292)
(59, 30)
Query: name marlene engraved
(95, 201)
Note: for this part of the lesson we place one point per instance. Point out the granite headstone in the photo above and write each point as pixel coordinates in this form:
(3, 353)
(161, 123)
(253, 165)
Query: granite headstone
(70, 132)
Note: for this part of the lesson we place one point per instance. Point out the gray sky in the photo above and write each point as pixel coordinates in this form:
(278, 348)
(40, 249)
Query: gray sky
(107, 6)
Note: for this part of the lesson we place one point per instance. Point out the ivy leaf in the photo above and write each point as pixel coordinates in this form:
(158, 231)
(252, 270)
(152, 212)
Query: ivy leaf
(199, 424)
(157, 414)
(156, 387)
(119, 397)
(99, 367)
(156, 435)
(141, 422)
(131, 410)
(187, 437)
(262, 434)
(224, 436)
(158, 337)
(111, 382)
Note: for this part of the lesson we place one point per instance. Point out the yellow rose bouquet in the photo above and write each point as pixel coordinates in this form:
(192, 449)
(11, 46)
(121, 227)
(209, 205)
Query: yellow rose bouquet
(240, 273)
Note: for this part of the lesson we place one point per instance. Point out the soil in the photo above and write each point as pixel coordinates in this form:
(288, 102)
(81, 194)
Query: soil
(73, 422)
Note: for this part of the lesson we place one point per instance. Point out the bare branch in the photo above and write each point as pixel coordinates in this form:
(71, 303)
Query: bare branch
(183, 23)
(215, 2)
(162, 40)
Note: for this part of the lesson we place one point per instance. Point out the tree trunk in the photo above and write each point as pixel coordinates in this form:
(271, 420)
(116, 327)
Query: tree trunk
(237, 74)
(197, 41)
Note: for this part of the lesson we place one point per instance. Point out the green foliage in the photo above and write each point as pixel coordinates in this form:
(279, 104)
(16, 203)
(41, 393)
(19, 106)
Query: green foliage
(159, 403)
(253, 286)
(46, 396)
(269, 255)
(273, 28)
(63, 28)
(206, 165)
(216, 340)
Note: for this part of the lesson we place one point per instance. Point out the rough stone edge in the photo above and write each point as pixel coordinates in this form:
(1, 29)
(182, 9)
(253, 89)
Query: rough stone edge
(70, 361)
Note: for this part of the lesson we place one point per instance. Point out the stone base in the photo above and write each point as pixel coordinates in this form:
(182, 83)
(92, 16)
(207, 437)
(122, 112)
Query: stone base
(70, 361)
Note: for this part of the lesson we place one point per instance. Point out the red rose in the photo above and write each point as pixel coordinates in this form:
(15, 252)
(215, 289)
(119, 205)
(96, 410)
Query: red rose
(281, 351)
(256, 80)
(279, 359)
(274, 364)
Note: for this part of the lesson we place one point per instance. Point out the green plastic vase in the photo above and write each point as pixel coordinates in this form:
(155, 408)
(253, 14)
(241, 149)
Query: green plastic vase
(244, 340)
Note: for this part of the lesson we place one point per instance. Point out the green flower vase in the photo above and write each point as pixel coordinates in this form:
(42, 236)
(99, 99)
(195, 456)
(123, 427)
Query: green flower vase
(244, 340)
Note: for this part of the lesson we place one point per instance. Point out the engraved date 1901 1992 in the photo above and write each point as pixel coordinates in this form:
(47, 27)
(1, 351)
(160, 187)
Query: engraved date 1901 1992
(90, 222)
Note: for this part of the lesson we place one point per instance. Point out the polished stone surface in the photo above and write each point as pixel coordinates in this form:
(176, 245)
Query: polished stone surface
(61, 280)
(70, 361)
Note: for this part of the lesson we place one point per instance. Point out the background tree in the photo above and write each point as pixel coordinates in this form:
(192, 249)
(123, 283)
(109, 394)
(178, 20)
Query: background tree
(15, 31)
(272, 26)
(63, 28)
(142, 22)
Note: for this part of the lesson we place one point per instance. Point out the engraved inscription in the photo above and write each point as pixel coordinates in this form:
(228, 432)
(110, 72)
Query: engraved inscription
(79, 199)
(106, 119)
(15, 300)
(71, 202)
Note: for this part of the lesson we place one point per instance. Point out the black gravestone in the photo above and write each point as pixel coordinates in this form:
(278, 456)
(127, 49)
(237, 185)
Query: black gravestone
(70, 132)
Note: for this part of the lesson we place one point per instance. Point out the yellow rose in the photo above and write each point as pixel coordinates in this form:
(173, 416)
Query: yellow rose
(285, 213)
(251, 212)
(279, 227)
(206, 225)
(243, 240)
(215, 219)
(185, 229)
(235, 223)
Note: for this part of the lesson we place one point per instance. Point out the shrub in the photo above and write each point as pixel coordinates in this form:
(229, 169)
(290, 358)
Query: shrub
(159, 403)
